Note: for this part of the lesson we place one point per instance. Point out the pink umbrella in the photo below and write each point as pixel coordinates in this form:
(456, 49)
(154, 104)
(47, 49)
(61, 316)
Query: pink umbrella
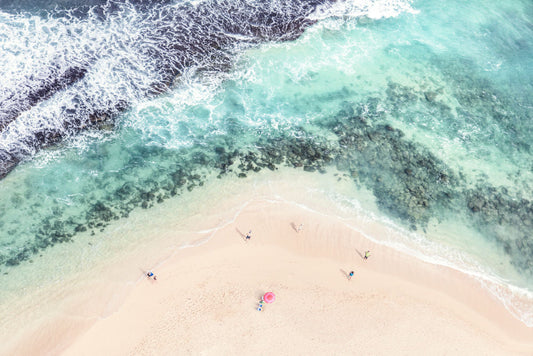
(269, 297)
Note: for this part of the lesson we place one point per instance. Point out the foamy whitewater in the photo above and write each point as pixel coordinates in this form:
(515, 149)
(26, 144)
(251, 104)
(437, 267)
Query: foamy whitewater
(420, 112)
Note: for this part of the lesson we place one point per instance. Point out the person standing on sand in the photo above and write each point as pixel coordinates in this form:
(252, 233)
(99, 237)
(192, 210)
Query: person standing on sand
(367, 254)
(350, 275)
(299, 228)
(150, 274)
(249, 235)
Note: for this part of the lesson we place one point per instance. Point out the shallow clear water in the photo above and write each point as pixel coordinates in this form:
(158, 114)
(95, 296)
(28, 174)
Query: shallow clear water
(423, 108)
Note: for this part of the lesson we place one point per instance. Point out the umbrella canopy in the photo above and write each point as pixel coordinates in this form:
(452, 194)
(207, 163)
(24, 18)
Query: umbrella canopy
(269, 297)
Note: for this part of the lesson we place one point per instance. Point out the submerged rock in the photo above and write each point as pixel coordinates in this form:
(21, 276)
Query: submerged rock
(430, 96)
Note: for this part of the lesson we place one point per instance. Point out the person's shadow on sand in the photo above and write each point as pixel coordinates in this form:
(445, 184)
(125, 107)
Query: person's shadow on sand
(344, 273)
(294, 227)
(259, 295)
(360, 254)
(243, 236)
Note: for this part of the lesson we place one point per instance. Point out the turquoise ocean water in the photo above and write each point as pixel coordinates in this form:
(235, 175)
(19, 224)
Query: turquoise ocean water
(424, 106)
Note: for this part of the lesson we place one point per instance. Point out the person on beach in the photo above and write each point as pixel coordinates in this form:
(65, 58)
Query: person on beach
(249, 235)
(350, 275)
(300, 227)
(150, 274)
(367, 254)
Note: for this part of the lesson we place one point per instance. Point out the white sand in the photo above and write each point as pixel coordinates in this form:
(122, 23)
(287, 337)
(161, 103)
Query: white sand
(205, 300)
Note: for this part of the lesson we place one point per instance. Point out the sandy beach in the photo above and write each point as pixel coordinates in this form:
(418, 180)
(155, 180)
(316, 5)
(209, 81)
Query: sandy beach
(205, 298)
(141, 137)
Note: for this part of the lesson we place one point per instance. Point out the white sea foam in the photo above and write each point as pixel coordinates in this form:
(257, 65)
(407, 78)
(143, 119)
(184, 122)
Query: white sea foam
(159, 121)
(373, 9)
(38, 50)
(115, 52)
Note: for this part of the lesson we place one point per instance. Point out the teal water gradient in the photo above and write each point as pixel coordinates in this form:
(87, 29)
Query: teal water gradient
(429, 110)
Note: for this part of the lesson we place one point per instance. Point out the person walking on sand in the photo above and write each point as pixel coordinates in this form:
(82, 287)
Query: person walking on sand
(367, 254)
(350, 275)
(249, 235)
(150, 274)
